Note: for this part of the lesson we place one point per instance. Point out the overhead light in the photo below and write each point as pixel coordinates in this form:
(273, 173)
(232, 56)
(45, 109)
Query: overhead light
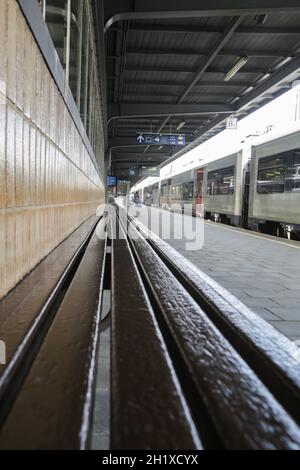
(261, 19)
(180, 126)
(234, 99)
(237, 66)
(250, 88)
(264, 77)
(284, 61)
(159, 148)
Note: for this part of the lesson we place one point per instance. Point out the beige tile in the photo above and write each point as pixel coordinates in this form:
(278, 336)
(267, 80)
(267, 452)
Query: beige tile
(10, 248)
(19, 182)
(32, 156)
(20, 60)
(26, 242)
(38, 91)
(12, 51)
(3, 48)
(19, 236)
(45, 96)
(10, 157)
(37, 169)
(26, 163)
(2, 253)
(41, 171)
(53, 111)
(2, 155)
(28, 72)
(34, 78)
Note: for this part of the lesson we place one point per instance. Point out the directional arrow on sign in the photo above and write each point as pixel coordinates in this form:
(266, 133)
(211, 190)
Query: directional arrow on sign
(140, 139)
(160, 139)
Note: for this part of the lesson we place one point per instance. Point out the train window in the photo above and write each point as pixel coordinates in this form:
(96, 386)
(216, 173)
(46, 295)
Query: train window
(164, 189)
(294, 184)
(279, 173)
(221, 181)
(176, 191)
(188, 191)
(271, 175)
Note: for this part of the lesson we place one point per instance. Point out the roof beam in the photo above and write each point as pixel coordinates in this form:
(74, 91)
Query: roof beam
(127, 110)
(141, 9)
(152, 68)
(127, 132)
(158, 95)
(127, 125)
(224, 38)
(152, 121)
(275, 80)
(140, 157)
(128, 157)
(205, 53)
(232, 84)
(177, 29)
(125, 142)
(204, 67)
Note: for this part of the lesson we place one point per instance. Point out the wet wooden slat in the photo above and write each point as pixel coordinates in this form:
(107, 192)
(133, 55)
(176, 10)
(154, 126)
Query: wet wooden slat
(20, 307)
(269, 353)
(53, 407)
(148, 408)
(243, 411)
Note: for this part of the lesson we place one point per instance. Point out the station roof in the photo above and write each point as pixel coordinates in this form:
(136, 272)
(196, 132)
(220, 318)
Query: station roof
(166, 62)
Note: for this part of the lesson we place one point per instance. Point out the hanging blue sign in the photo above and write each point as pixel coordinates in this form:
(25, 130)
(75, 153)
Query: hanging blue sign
(111, 181)
(161, 139)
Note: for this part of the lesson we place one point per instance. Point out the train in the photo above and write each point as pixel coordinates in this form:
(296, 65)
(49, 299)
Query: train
(257, 187)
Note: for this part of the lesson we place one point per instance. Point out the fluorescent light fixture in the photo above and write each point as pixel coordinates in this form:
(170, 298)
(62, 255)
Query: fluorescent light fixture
(234, 99)
(261, 19)
(237, 66)
(284, 61)
(180, 126)
(250, 88)
(264, 77)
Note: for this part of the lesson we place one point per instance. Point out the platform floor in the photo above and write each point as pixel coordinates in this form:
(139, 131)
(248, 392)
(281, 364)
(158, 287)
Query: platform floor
(261, 271)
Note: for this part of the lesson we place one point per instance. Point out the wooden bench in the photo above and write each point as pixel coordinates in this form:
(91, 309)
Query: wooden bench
(192, 367)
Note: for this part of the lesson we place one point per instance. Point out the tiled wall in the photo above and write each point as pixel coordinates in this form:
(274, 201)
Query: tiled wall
(48, 183)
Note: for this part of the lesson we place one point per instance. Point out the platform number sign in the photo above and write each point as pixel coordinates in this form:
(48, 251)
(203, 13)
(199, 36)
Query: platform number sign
(231, 123)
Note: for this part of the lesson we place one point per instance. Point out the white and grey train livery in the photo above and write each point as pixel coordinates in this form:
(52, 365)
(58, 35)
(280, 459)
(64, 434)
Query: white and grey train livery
(257, 187)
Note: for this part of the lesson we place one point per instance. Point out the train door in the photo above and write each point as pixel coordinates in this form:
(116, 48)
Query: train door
(169, 192)
(245, 207)
(199, 192)
(159, 194)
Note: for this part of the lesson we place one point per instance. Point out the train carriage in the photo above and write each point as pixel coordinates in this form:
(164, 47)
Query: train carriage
(274, 205)
(257, 187)
(225, 185)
